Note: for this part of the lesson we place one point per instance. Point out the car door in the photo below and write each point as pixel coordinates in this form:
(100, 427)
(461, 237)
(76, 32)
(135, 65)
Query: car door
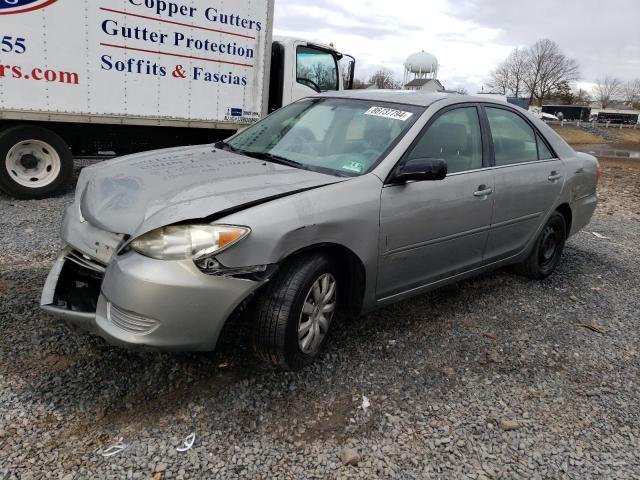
(431, 230)
(528, 180)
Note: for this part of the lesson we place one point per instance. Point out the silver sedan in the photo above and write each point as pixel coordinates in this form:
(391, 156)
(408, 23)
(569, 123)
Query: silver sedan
(336, 204)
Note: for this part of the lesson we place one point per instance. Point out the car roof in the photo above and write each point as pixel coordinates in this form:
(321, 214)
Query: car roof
(408, 97)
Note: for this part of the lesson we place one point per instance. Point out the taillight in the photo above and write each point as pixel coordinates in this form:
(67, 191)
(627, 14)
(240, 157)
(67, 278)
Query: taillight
(598, 173)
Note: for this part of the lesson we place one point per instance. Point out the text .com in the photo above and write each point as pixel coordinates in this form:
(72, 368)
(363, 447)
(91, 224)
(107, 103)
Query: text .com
(39, 74)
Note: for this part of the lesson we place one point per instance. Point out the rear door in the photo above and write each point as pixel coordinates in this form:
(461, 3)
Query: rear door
(528, 180)
(431, 230)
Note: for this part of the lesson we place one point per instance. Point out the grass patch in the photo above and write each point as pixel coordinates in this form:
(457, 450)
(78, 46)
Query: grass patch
(574, 135)
(629, 135)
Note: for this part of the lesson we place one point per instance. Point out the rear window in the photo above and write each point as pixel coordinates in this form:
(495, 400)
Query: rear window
(514, 141)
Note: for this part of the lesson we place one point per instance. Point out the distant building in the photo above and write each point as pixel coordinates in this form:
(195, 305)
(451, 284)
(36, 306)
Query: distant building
(521, 102)
(425, 85)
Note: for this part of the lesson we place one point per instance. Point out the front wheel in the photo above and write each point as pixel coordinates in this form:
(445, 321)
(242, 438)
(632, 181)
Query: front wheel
(546, 253)
(295, 312)
(34, 162)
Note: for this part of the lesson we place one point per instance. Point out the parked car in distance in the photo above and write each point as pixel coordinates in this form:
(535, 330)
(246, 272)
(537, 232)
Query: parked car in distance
(343, 202)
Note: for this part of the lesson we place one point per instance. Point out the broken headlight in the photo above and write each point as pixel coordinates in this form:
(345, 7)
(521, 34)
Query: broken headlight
(188, 242)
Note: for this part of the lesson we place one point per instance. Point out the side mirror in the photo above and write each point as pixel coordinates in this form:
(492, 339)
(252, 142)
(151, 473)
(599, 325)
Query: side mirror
(351, 70)
(421, 169)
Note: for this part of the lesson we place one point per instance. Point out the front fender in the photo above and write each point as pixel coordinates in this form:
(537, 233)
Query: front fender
(345, 214)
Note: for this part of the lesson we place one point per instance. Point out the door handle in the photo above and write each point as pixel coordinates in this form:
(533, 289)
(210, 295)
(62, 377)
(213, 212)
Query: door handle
(483, 191)
(554, 176)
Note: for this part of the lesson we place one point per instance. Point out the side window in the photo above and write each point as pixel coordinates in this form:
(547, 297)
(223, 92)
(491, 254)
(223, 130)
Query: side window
(454, 137)
(316, 69)
(514, 141)
(543, 151)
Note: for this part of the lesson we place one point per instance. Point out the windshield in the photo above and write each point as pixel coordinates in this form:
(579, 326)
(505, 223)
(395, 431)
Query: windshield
(343, 137)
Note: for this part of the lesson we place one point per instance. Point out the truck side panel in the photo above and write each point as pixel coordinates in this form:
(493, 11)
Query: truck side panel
(172, 60)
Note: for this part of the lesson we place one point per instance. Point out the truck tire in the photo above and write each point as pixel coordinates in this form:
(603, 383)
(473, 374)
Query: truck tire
(294, 313)
(34, 162)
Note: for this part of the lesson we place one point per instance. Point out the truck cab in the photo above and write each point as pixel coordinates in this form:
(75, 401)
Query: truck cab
(300, 68)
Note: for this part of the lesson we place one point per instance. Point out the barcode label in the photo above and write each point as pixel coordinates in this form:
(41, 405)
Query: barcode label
(389, 113)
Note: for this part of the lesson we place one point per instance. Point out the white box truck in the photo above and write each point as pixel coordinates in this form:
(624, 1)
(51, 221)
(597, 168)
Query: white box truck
(85, 78)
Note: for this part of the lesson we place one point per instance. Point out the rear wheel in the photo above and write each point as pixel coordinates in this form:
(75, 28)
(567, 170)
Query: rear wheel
(34, 162)
(546, 253)
(295, 312)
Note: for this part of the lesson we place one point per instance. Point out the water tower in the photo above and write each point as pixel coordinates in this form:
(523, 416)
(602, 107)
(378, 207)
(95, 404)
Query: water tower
(421, 72)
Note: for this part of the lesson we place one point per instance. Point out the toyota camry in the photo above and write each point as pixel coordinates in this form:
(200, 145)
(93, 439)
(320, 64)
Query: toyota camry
(335, 205)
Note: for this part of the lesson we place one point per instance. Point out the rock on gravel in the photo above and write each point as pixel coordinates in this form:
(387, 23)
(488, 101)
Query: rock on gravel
(509, 425)
(349, 456)
(67, 396)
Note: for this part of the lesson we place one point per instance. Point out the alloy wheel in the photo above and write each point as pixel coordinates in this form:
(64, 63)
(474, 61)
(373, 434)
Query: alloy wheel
(317, 312)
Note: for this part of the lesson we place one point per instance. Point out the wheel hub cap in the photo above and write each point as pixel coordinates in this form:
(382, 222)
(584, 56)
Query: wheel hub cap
(33, 163)
(549, 244)
(317, 311)
(29, 161)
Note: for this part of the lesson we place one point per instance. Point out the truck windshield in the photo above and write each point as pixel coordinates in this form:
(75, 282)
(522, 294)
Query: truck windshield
(342, 137)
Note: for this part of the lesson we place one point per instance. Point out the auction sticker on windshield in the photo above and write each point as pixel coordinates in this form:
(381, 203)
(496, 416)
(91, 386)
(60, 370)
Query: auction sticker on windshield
(354, 167)
(389, 113)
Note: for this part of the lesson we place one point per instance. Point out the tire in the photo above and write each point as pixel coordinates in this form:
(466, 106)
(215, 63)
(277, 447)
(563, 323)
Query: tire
(546, 253)
(289, 306)
(34, 162)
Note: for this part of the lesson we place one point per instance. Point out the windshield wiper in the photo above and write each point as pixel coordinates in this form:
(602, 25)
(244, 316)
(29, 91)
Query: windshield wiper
(270, 157)
(259, 155)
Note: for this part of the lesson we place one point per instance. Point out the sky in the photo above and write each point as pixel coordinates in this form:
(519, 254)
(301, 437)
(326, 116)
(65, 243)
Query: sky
(470, 37)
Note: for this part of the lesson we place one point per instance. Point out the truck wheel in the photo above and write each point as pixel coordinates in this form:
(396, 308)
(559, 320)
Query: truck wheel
(34, 162)
(546, 253)
(294, 313)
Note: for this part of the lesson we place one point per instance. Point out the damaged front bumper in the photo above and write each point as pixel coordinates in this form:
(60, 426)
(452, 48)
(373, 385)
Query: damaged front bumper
(132, 300)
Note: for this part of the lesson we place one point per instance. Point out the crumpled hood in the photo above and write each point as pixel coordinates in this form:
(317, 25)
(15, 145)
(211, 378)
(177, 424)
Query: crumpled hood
(138, 193)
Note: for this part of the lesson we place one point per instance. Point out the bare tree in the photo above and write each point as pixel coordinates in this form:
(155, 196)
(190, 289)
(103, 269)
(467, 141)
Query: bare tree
(581, 97)
(517, 63)
(323, 75)
(359, 84)
(606, 89)
(499, 78)
(386, 79)
(547, 68)
(540, 71)
(631, 93)
(461, 91)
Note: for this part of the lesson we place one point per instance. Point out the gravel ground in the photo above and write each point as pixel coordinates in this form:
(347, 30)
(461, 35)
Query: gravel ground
(497, 377)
